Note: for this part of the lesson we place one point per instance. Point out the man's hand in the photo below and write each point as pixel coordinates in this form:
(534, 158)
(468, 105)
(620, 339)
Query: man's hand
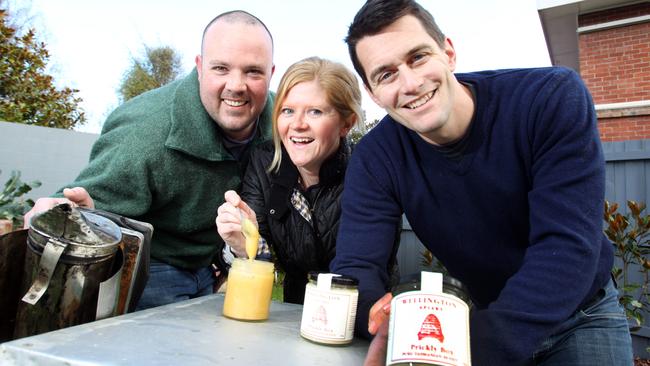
(378, 325)
(229, 222)
(76, 197)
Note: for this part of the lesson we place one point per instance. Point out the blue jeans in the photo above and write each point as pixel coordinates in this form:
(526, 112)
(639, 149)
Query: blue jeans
(596, 335)
(168, 284)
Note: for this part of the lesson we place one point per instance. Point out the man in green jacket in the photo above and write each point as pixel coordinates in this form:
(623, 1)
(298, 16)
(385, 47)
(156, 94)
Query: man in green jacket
(168, 156)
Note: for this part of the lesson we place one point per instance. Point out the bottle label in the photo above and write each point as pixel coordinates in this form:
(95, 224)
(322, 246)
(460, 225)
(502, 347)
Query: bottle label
(428, 328)
(328, 315)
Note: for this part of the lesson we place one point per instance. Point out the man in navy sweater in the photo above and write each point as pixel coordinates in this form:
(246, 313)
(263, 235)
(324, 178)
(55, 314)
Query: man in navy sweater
(501, 176)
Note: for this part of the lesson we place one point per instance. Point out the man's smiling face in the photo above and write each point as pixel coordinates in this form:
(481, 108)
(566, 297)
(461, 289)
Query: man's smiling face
(411, 76)
(235, 70)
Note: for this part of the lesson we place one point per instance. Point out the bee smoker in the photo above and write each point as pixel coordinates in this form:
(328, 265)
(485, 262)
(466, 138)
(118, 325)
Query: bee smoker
(69, 253)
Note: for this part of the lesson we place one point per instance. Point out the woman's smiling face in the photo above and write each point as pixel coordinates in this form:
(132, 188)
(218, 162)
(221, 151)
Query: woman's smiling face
(310, 128)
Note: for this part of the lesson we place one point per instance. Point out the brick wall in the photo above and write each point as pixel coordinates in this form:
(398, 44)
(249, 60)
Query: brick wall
(624, 128)
(615, 65)
(610, 15)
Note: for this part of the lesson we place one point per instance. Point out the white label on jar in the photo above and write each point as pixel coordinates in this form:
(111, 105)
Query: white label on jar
(324, 281)
(328, 316)
(428, 328)
(431, 282)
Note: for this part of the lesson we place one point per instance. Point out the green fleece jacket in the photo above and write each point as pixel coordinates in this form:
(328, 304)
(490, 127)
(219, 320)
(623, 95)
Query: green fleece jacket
(160, 159)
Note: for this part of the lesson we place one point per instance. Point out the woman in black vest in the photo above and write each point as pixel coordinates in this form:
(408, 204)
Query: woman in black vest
(293, 185)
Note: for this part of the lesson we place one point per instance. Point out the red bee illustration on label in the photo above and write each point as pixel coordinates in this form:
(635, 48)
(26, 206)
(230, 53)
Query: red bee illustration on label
(431, 328)
(320, 315)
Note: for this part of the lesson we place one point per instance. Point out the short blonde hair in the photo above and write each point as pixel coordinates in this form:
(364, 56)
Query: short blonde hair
(340, 86)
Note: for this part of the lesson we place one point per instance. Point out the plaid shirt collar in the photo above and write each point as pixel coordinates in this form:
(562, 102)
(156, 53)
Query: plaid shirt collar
(284, 182)
(301, 205)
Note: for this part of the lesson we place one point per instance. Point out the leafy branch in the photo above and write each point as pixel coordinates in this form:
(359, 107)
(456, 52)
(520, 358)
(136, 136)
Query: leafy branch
(630, 235)
(12, 205)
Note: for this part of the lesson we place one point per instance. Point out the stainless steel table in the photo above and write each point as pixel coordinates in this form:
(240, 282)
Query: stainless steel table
(192, 332)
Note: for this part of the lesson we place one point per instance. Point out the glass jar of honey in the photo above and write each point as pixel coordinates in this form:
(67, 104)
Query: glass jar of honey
(429, 323)
(330, 308)
(248, 290)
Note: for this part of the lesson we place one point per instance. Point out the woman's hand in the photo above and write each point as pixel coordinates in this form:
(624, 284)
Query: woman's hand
(228, 222)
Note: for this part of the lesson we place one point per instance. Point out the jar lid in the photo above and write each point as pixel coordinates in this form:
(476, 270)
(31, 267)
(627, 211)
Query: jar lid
(450, 285)
(340, 280)
(88, 234)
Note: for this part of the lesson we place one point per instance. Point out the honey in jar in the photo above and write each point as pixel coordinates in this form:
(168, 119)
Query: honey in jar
(248, 290)
(429, 323)
(330, 308)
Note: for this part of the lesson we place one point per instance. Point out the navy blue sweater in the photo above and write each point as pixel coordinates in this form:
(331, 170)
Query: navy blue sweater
(518, 219)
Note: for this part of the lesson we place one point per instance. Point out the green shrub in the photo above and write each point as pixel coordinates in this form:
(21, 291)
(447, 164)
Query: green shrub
(12, 205)
(630, 235)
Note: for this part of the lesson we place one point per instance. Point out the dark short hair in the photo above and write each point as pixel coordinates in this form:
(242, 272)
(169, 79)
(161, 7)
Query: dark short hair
(236, 16)
(375, 15)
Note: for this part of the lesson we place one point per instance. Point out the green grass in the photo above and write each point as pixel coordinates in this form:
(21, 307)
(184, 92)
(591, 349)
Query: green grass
(277, 292)
(276, 295)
